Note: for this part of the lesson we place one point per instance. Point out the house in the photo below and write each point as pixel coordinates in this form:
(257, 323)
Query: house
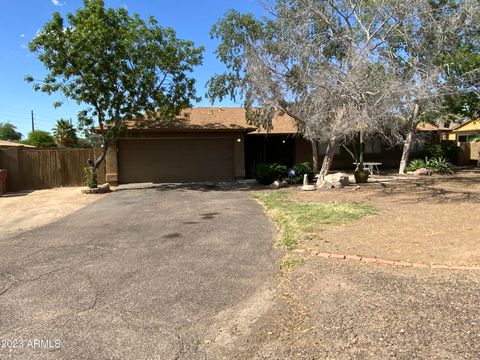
(215, 144)
(7, 143)
(466, 132)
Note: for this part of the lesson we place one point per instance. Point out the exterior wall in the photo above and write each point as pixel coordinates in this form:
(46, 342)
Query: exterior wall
(389, 157)
(469, 152)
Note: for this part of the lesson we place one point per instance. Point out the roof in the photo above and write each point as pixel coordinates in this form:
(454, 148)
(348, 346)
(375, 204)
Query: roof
(13, 143)
(430, 127)
(470, 125)
(214, 118)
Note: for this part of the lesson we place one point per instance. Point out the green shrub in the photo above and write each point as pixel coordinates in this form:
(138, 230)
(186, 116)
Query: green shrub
(90, 177)
(448, 150)
(440, 166)
(40, 138)
(416, 164)
(302, 169)
(267, 173)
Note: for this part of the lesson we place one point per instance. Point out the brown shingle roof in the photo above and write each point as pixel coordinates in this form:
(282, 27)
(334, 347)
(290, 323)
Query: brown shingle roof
(430, 127)
(13, 144)
(215, 118)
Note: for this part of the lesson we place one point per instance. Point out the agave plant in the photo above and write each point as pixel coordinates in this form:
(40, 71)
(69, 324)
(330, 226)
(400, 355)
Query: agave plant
(440, 166)
(416, 164)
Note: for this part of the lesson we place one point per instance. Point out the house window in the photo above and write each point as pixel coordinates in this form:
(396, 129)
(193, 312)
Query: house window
(373, 146)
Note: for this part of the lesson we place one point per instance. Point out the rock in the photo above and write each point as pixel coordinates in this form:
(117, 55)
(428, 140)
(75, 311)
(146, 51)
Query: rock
(277, 184)
(102, 189)
(308, 187)
(337, 180)
(422, 172)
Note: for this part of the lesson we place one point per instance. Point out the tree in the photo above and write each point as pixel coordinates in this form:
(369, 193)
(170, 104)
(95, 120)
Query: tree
(118, 66)
(337, 67)
(65, 134)
(9, 132)
(40, 138)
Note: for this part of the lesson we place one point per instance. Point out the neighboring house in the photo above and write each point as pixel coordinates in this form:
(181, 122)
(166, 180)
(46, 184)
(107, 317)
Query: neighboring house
(466, 132)
(214, 144)
(6, 143)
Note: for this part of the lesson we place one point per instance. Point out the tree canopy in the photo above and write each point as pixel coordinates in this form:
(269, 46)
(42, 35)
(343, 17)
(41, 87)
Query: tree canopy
(117, 65)
(9, 132)
(40, 138)
(65, 134)
(339, 67)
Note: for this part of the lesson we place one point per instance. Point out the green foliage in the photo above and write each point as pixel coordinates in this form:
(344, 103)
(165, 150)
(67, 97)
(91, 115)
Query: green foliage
(439, 166)
(298, 220)
(119, 65)
(90, 177)
(302, 169)
(267, 173)
(65, 134)
(40, 138)
(447, 150)
(9, 132)
(416, 164)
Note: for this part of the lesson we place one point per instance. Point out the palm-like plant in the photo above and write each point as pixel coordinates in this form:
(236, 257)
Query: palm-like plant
(65, 134)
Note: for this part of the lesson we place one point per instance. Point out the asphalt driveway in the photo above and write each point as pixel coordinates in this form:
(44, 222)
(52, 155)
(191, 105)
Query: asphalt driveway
(140, 274)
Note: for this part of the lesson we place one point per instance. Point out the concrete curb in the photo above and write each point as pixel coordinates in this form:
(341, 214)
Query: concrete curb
(394, 263)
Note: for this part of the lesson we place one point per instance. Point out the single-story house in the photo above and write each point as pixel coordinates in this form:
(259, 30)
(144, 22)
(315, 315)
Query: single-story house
(216, 144)
(466, 132)
(8, 143)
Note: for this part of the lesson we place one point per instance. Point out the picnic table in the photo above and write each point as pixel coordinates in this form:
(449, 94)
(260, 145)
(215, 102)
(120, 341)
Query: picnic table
(371, 166)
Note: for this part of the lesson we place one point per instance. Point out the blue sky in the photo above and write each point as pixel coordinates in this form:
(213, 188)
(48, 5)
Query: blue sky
(20, 20)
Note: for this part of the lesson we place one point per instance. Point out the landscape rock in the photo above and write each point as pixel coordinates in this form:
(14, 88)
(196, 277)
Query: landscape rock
(102, 189)
(337, 180)
(422, 172)
(277, 184)
(305, 186)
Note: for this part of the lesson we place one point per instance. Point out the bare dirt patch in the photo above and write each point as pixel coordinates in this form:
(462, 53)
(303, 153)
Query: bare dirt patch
(432, 220)
(28, 210)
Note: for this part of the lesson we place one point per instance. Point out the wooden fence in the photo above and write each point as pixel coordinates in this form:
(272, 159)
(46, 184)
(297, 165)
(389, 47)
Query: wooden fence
(469, 153)
(46, 168)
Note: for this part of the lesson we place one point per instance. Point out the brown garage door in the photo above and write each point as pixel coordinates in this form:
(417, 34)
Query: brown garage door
(175, 160)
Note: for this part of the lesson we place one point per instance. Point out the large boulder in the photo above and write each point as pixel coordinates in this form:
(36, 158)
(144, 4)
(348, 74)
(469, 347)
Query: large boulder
(337, 180)
(422, 172)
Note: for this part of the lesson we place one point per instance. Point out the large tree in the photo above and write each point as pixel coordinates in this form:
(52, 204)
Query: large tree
(9, 132)
(337, 67)
(117, 65)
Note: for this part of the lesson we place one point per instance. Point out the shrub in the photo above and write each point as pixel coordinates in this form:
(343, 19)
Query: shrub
(90, 177)
(416, 164)
(448, 150)
(267, 173)
(40, 138)
(302, 169)
(440, 166)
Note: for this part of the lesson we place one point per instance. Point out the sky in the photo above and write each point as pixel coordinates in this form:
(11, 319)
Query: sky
(20, 20)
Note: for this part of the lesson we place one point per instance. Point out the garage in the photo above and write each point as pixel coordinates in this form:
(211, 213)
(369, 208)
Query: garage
(176, 159)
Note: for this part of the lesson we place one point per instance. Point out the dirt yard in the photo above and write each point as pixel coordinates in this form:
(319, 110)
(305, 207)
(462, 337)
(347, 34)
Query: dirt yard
(27, 210)
(431, 220)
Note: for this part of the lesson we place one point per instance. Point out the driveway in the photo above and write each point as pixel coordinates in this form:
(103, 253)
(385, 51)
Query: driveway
(140, 274)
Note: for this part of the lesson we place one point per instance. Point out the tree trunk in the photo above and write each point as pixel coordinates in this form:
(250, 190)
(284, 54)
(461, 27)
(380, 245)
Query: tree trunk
(314, 156)
(327, 161)
(408, 141)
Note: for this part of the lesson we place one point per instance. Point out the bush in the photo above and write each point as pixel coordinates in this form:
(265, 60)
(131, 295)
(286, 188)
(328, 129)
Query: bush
(302, 169)
(440, 166)
(448, 150)
(40, 138)
(416, 164)
(267, 173)
(90, 177)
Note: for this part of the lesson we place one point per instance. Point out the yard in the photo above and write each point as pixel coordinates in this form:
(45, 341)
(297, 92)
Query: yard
(429, 220)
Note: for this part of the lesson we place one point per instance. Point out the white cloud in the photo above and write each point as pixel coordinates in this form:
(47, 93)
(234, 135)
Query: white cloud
(22, 35)
(57, 3)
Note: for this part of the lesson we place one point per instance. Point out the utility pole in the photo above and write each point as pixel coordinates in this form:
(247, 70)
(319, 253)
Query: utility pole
(33, 122)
